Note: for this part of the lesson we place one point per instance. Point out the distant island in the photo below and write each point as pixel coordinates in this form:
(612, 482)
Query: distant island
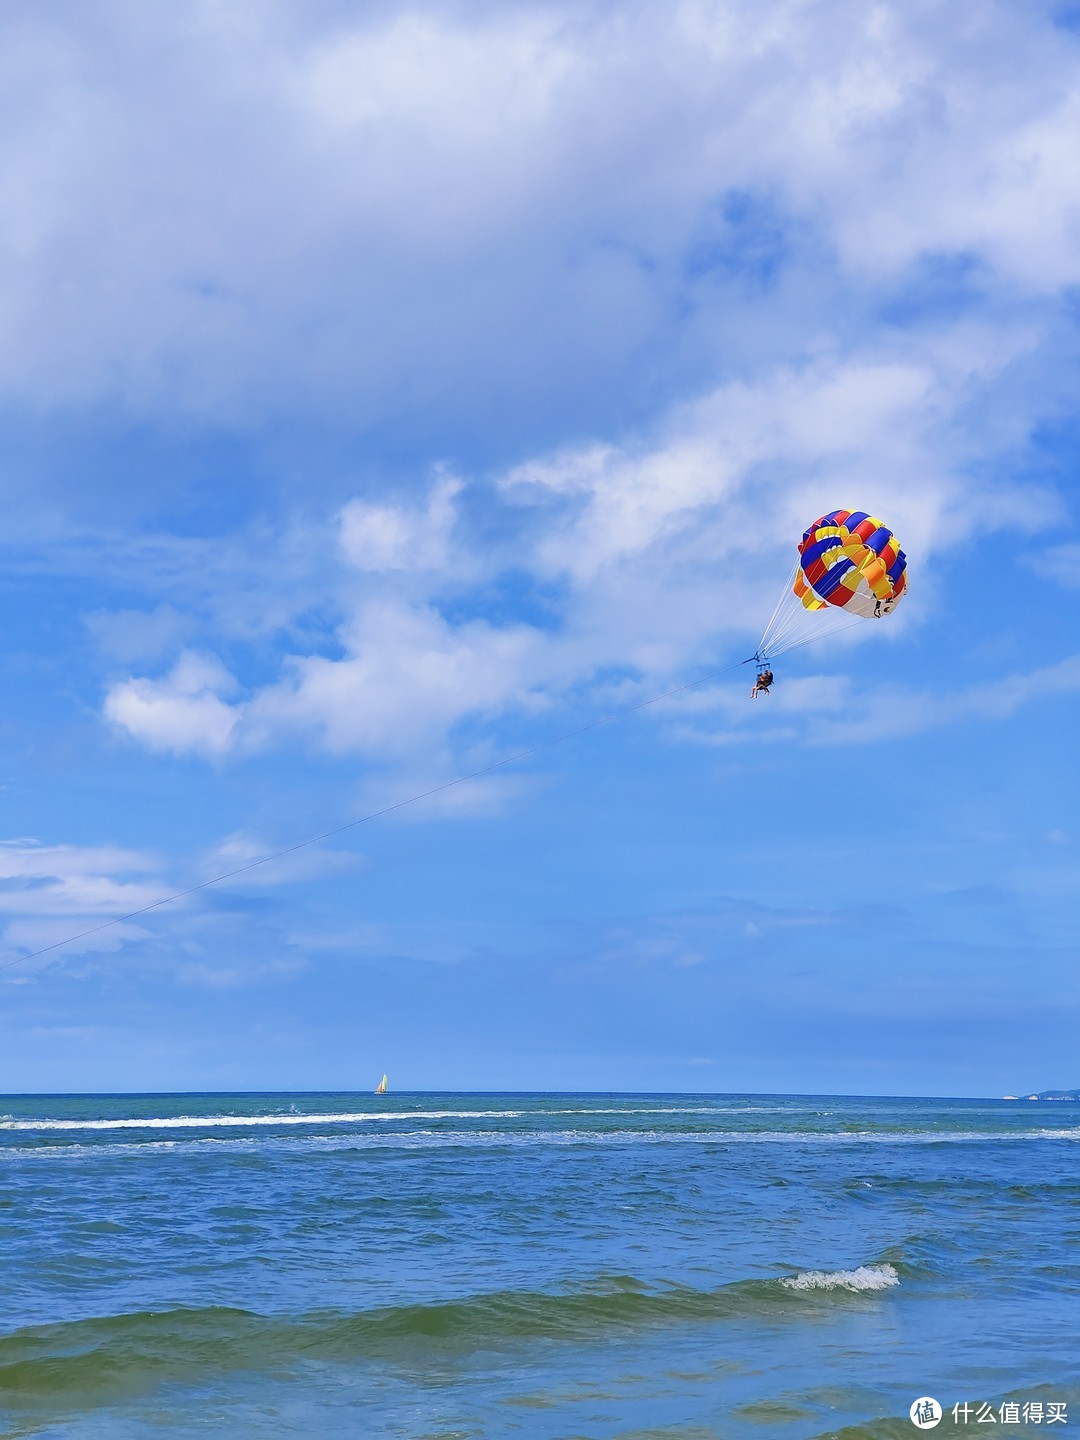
(1047, 1095)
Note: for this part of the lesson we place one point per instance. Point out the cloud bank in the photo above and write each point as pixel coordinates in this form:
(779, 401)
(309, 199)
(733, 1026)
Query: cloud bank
(237, 211)
(625, 297)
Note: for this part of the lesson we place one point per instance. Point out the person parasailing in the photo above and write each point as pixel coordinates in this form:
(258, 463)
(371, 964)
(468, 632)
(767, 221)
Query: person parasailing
(761, 684)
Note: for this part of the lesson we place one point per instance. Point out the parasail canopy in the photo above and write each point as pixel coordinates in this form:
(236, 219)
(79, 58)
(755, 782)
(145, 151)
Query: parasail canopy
(850, 568)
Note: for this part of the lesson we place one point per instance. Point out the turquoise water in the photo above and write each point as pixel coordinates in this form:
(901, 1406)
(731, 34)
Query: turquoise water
(532, 1265)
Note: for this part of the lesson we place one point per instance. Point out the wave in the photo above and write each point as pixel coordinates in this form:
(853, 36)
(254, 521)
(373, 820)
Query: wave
(865, 1278)
(213, 1122)
(99, 1361)
(205, 1122)
(265, 1140)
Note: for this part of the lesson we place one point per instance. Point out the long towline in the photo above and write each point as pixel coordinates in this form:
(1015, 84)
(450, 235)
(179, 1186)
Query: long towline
(376, 814)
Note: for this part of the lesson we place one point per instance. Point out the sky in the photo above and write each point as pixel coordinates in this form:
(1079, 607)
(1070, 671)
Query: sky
(386, 389)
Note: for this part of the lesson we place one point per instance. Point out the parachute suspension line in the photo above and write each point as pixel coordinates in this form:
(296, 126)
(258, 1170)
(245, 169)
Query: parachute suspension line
(822, 635)
(774, 625)
(790, 621)
(821, 623)
(376, 814)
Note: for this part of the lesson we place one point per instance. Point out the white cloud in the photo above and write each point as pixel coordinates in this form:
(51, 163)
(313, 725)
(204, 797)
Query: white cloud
(498, 211)
(71, 880)
(713, 473)
(29, 860)
(897, 711)
(48, 893)
(441, 796)
(662, 553)
(470, 203)
(387, 537)
(827, 711)
(52, 891)
(1060, 563)
(408, 675)
(248, 854)
(182, 712)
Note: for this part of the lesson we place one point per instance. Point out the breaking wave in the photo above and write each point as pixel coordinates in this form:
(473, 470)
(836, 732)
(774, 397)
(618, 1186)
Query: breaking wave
(98, 1361)
(865, 1278)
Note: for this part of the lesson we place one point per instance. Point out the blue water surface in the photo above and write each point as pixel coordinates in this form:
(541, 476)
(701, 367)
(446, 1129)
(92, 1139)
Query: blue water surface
(533, 1265)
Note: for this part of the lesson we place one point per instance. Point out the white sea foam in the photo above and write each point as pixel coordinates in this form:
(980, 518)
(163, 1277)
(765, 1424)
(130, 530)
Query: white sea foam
(373, 1138)
(866, 1277)
(207, 1122)
(214, 1122)
(386, 1127)
(187, 1122)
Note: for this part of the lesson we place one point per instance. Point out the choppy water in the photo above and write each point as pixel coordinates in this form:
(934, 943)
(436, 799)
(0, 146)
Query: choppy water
(537, 1266)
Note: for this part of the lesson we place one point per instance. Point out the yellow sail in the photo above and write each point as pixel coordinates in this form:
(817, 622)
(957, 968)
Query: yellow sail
(383, 1086)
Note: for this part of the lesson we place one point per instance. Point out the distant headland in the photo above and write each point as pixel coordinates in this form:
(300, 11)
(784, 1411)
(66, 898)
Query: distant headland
(1047, 1095)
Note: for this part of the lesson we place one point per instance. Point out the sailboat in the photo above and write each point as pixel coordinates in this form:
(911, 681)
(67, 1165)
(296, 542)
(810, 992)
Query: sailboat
(382, 1086)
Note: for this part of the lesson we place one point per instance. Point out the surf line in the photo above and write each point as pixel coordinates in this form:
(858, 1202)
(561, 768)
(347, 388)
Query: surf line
(377, 814)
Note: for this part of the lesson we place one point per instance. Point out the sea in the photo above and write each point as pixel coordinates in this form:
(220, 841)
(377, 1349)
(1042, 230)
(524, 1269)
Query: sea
(542, 1266)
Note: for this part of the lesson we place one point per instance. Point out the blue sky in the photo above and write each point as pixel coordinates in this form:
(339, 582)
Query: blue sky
(384, 390)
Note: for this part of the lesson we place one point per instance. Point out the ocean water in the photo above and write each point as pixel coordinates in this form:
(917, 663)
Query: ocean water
(534, 1266)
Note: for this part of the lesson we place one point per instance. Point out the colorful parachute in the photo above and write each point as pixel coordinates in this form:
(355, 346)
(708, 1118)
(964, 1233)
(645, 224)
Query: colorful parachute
(850, 567)
(849, 558)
